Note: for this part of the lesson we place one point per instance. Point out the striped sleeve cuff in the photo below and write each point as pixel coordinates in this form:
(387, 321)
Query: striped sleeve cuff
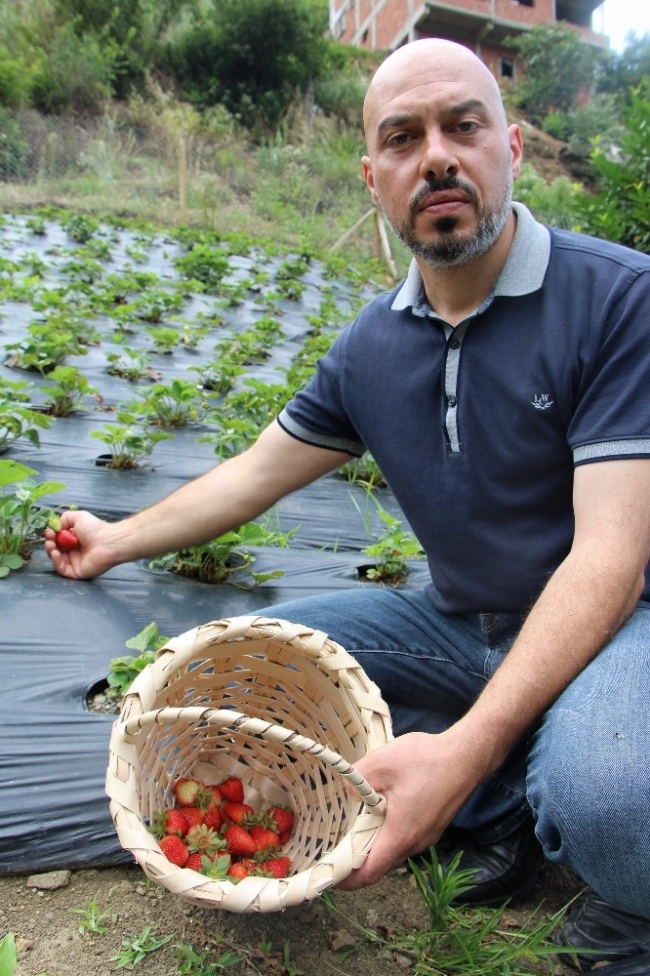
(319, 440)
(633, 447)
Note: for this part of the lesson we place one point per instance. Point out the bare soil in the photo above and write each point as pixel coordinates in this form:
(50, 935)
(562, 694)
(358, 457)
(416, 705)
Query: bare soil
(319, 940)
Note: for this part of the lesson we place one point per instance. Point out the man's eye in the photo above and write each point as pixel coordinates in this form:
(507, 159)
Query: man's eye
(398, 139)
(466, 126)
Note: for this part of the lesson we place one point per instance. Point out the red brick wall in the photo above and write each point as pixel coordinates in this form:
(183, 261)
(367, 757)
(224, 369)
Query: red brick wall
(381, 24)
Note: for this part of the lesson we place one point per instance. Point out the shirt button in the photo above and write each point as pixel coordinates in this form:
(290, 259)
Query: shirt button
(454, 344)
(452, 401)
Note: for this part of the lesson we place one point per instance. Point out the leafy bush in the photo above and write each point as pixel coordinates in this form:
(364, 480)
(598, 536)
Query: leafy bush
(620, 211)
(551, 203)
(253, 57)
(77, 73)
(14, 150)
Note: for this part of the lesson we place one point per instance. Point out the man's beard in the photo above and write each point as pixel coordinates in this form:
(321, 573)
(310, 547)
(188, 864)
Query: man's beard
(452, 249)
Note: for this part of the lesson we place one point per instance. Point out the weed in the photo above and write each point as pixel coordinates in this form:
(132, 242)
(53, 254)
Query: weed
(457, 942)
(195, 964)
(135, 950)
(92, 920)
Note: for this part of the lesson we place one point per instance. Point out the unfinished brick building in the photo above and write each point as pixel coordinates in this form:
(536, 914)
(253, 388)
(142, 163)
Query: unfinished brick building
(482, 25)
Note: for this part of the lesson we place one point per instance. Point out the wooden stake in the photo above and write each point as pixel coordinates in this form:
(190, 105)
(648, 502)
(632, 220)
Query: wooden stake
(350, 233)
(182, 180)
(381, 238)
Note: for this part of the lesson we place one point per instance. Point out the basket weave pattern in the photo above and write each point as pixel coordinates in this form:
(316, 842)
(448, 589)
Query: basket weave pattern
(281, 706)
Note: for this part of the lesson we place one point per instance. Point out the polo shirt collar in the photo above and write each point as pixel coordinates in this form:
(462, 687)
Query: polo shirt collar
(522, 274)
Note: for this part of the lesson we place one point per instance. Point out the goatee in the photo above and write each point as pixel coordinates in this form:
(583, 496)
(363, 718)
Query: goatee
(452, 249)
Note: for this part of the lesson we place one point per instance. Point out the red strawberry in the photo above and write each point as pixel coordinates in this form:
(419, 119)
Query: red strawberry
(236, 812)
(169, 822)
(215, 792)
(285, 837)
(237, 872)
(239, 840)
(66, 540)
(194, 861)
(193, 816)
(213, 817)
(278, 866)
(174, 850)
(232, 789)
(187, 791)
(264, 837)
(283, 816)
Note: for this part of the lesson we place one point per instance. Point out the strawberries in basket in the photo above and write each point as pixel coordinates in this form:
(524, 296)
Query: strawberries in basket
(212, 830)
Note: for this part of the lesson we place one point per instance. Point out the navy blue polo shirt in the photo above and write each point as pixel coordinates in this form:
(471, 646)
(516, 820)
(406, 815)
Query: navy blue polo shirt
(477, 428)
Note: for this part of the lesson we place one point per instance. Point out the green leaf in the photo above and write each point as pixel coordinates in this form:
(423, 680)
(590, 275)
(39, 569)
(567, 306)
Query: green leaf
(8, 957)
(12, 560)
(12, 472)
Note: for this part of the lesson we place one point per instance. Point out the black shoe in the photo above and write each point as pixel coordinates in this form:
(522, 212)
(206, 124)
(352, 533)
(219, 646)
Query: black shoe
(506, 871)
(613, 935)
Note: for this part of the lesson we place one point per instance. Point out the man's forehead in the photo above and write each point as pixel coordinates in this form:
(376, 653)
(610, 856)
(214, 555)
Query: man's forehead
(430, 87)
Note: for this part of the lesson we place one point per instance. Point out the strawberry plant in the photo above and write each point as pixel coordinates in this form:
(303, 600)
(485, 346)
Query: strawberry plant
(391, 550)
(128, 441)
(174, 404)
(363, 471)
(218, 376)
(22, 522)
(226, 557)
(81, 228)
(205, 263)
(130, 364)
(124, 670)
(164, 339)
(46, 345)
(66, 394)
(18, 421)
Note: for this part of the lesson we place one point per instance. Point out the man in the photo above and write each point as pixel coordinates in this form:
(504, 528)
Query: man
(502, 389)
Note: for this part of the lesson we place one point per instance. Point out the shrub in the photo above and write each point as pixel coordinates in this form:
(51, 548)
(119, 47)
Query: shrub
(620, 210)
(77, 73)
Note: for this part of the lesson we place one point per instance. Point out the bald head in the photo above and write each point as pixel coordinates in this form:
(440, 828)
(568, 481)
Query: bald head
(430, 62)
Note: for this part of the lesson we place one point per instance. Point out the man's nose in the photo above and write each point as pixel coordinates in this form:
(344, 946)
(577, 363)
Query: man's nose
(438, 157)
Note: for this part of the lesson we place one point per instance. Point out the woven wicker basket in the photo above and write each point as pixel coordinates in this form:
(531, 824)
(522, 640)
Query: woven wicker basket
(281, 706)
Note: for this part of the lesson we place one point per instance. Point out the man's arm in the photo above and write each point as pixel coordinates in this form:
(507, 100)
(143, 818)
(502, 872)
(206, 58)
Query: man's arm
(224, 498)
(427, 778)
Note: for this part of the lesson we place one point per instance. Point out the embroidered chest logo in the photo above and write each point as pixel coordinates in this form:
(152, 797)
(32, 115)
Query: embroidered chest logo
(541, 401)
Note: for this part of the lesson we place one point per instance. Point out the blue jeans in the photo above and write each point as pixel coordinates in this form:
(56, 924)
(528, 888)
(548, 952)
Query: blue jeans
(583, 773)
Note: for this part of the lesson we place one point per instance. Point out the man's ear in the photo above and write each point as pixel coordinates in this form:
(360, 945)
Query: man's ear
(366, 169)
(516, 148)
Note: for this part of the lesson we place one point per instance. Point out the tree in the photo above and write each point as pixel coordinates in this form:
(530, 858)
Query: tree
(253, 57)
(559, 68)
(619, 73)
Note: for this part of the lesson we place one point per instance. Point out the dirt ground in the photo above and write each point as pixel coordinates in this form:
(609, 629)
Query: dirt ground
(320, 941)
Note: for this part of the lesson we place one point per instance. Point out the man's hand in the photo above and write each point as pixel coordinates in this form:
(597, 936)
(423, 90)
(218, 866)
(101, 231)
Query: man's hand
(425, 779)
(89, 557)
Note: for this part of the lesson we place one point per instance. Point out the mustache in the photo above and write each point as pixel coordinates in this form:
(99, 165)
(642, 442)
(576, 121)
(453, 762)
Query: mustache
(435, 186)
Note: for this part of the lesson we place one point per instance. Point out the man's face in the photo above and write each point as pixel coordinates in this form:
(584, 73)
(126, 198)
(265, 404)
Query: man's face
(441, 158)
